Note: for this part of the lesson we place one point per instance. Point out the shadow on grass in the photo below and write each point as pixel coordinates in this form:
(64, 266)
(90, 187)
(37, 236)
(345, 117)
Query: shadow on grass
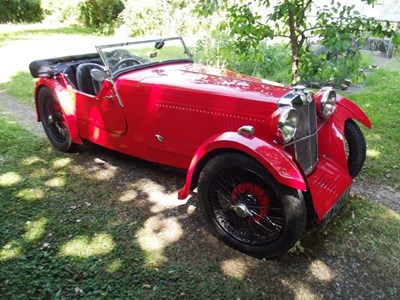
(98, 224)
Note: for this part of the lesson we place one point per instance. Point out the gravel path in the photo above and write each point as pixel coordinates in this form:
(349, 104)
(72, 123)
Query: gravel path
(22, 113)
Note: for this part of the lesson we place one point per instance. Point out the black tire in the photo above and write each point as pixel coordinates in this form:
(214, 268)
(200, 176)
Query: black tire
(247, 208)
(53, 121)
(356, 147)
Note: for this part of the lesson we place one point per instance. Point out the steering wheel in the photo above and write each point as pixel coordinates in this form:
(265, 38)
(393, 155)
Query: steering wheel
(125, 61)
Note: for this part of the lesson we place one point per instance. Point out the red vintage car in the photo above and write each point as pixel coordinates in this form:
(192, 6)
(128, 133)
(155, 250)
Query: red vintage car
(264, 157)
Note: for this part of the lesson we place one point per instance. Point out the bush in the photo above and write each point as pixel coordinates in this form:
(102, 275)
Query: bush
(61, 11)
(21, 11)
(273, 61)
(267, 61)
(100, 15)
(161, 17)
(325, 68)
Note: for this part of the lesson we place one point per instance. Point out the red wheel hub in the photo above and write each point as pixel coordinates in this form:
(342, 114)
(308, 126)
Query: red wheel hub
(251, 201)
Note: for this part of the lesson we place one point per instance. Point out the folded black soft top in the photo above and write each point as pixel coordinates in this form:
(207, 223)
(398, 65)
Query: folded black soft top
(49, 67)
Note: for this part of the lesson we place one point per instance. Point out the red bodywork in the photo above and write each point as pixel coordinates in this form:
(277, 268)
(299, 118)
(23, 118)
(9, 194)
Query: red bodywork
(181, 114)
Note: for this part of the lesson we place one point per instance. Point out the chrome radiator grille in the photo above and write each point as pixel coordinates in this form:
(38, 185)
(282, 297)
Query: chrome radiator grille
(305, 144)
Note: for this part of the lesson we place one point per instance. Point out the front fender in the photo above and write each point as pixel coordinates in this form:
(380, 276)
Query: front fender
(66, 99)
(278, 162)
(331, 136)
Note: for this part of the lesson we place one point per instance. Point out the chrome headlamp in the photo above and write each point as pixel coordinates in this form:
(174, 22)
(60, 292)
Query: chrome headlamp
(328, 103)
(287, 124)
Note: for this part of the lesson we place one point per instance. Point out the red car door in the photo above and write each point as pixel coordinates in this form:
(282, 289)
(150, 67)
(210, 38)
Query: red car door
(100, 112)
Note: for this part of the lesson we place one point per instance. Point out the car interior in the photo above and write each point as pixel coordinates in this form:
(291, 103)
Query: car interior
(78, 74)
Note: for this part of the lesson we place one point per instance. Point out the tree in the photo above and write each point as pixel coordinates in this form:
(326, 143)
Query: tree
(250, 22)
(21, 11)
(100, 14)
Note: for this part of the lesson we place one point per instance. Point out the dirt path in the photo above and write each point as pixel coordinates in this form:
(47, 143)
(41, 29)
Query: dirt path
(22, 113)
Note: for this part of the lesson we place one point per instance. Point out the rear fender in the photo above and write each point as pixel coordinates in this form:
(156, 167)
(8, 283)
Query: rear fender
(278, 162)
(331, 136)
(66, 98)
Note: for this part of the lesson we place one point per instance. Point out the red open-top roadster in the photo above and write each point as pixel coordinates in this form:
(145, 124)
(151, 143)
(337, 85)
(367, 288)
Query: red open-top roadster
(264, 157)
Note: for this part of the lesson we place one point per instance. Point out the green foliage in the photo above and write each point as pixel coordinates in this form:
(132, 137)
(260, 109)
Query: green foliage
(144, 18)
(21, 11)
(100, 15)
(340, 27)
(265, 61)
(61, 11)
(325, 68)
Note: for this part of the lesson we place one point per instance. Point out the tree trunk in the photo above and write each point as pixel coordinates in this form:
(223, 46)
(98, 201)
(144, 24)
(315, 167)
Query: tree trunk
(295, 47)
(98, 10)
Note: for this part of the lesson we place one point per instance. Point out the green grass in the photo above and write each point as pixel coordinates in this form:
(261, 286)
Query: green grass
(20, 86)
(65, 234)
(379, 99)
(62, 233)
(8, 37)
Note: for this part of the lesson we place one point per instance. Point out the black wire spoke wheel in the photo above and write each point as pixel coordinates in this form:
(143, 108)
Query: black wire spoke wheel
(53, 120)
(248, 208)
(245, 207)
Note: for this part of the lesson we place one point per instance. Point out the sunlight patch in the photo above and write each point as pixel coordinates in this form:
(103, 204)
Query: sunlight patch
(235, 268)
(9, 179)
(31, 194)
(35, 229)
(373, 153)
(114, 266)
(321, 271)
(84, 246)
(11, 250)
(161, 200)
(158, 233)
(300, 290)
(103, 171)
(61, 162)
(55, 182)
(32, 160)
(128, 195)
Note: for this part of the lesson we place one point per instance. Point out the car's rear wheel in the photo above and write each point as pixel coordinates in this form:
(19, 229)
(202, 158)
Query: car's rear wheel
(53, 120)
(247, 208)
(356, 148)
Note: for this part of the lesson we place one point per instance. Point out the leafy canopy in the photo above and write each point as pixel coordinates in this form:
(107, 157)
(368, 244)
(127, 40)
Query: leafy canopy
(339, 26)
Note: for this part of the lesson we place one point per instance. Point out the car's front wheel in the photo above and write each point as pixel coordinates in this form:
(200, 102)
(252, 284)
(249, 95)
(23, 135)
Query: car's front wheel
(247, 208)
(355, 147)
(53, 121)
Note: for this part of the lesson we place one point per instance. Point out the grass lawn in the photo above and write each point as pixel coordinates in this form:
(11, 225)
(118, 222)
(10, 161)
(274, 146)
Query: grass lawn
(67, 232)
(379, 99)
(99, 225)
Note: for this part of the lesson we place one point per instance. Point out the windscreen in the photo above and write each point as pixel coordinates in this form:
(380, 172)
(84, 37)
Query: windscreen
(119, 58)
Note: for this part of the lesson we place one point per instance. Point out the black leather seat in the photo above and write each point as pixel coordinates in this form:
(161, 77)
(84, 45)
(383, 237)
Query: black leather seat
(85, 82)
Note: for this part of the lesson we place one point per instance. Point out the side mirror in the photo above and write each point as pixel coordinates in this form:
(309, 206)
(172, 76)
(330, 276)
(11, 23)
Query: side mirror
(98, 75)
(159, 44)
